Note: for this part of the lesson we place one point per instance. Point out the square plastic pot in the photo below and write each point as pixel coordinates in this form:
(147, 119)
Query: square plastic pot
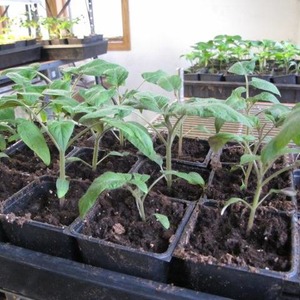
(124, 259)
(233, 281)
(31, 234)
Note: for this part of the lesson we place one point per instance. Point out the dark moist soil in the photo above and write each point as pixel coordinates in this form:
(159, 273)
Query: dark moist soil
(227, 183)
(180, 188)
(78, 170)
(194, 150)
(110, 141)
(44, 206)
(116, 219)
(223, 239)
(23, 159)
(12, 181)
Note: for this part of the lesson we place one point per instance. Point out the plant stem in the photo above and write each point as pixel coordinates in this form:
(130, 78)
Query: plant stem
(254, 207)
(169, 162)
(96, 151)
(62, 173)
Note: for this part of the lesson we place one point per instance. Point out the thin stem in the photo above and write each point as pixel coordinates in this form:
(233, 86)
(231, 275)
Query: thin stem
(96, 151)
(62, 173)
(254, 207)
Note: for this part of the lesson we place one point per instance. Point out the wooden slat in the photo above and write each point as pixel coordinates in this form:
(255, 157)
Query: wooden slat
(191, 123)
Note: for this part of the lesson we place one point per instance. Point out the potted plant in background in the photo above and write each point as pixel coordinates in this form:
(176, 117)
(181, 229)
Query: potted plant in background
(271, 57)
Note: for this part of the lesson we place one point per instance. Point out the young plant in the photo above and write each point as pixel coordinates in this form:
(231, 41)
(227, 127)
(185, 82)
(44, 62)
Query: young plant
(253, 161)
(32, 129)
(59, 27)
(136, 184)
(103, 109)
(174, 112)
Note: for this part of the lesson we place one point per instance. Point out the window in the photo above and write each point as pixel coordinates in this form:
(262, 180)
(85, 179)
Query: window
(110, 18)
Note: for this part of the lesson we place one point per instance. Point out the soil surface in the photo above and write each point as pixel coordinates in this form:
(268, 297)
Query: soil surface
(40, 203)
(230, 229)
(194, 150)
(223, 239)
(180, 188)
(79, 170)
(116, 219)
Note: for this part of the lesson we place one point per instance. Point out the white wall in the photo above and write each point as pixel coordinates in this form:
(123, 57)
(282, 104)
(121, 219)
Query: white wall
(162, 30)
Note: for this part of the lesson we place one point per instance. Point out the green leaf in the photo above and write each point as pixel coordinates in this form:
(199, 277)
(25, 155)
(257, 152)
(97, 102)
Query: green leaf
(233, 201)
(218, 141)
(139, 180)
(163, 220)
(162, 79)
(138, 136)
(34, 139)
(242, 68)
(103, 113)
(62, 187)
(264, 97)
(7, 114)
(96, 67)
(62, 132)
(26, 72)
(116, 77)
(290, 192)
(191, 177)
(170, 83)
(3, 155)
(290, 131)
(248, 158)
(147, 101)
(97, 95)
(264, 85)
(107, 181)
(209, 107)
(154, 77)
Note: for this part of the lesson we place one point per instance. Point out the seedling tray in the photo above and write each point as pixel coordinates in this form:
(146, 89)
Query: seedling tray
(40, 276)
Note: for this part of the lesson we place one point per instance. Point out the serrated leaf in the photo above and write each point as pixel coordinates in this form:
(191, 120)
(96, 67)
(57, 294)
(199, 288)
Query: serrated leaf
(170, 83)
(264, 85)
(116, 76)
(97, 95)
(154, 77)
(242, 67)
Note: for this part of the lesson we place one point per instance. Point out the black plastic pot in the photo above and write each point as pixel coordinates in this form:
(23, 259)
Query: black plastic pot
(235, 282)
(211, 77)
(31, 234)
(192, 76)
(284, 79)
(124, 259)
(39, 276)
(234, 78)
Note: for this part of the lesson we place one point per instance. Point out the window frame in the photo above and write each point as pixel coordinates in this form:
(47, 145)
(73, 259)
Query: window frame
(114, 44)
